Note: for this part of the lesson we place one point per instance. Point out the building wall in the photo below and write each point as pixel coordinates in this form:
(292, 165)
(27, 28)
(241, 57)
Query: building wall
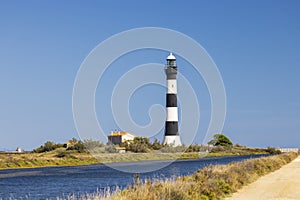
(115, 139)
(119, 137)
(127, 137)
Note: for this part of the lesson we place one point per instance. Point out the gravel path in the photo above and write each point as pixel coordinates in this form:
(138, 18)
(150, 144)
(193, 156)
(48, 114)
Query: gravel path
(283, 184)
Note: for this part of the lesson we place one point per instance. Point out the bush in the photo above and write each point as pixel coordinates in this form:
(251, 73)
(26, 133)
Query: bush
(110, 148)
(239, 145)
(79, 147)
(64, 154)
(272, 150)
(138, 145)
(156, 145)
(48, 146)
(171, 149)
(194, 148)
(217, 149)
(92, 144)
(61, 154)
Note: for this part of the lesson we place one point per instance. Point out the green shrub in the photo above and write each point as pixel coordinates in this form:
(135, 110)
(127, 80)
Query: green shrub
(79, 147)
(194, 148)
(48, 146)
(110, 148)
(171, 149)
(92, 144)
(62, 154)
(156, 145)
(138, 145)
(272, 150)
(224, 187)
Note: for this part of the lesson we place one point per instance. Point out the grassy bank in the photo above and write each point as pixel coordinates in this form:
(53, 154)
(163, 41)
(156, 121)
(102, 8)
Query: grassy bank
(214, 182)
(30, 160)
(61, 157)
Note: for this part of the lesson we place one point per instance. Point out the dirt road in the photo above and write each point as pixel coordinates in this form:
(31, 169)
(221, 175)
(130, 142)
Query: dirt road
(283, 184)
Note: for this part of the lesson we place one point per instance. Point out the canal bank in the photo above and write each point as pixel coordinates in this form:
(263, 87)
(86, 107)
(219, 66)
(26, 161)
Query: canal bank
(63, 182)
(281, 184)
(61, 157)
(210, 183)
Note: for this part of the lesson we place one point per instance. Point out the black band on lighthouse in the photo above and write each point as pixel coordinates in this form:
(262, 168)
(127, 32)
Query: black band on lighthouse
(171, 128)
(171, 72)
(171, 100)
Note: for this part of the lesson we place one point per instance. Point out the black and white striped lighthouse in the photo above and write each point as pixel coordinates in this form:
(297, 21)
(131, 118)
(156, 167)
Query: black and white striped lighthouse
(171, 128)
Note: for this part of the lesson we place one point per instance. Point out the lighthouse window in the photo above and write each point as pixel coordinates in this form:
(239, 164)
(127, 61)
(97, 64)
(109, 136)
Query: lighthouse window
(172, 62)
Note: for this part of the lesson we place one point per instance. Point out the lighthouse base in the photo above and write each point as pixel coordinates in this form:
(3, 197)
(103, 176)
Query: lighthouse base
(173, 140)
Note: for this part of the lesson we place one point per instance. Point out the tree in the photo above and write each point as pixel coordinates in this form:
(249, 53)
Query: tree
(220, 140)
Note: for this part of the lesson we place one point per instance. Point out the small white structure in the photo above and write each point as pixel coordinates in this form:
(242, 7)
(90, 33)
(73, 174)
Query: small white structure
(19, 150)
(285, 150)
(121, 149)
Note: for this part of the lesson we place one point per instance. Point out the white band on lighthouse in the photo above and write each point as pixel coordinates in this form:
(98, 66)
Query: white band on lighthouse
(171, 86)
(173, 140)
(172, 115)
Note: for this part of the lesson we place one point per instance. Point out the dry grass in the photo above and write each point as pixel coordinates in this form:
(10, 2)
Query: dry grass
(214, 182)
(29, 160)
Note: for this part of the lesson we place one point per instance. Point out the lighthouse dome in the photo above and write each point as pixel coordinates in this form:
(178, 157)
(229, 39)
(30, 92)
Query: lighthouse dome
(171, 57)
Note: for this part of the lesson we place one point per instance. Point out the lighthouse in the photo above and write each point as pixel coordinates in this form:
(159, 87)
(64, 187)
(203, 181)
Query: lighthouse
(171, 127)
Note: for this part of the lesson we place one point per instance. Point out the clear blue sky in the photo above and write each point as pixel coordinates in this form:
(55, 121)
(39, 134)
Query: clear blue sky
(255, 45)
